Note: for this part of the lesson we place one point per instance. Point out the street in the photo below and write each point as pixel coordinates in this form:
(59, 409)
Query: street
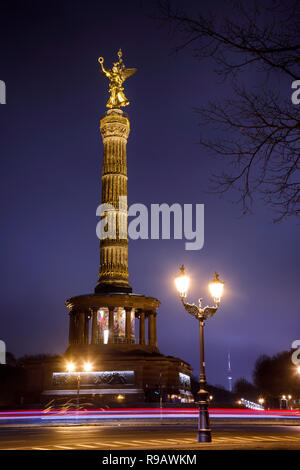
(98, 437)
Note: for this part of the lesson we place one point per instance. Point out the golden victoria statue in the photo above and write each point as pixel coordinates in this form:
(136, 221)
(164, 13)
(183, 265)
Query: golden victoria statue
(117, 76)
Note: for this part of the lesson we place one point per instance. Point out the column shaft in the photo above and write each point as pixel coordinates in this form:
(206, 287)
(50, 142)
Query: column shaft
(150, 329)
(86, 328)
(113, 273)
(94, 327)
(72, 329)
(128, 325)
(81, 327)
(76, 328)
(142, 329)
(111, 325)
(154, 331)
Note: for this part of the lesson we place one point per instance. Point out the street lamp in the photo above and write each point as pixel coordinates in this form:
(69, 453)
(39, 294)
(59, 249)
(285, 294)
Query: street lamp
(201, 314)
(88, 366)
(71, 370)
(70, 367)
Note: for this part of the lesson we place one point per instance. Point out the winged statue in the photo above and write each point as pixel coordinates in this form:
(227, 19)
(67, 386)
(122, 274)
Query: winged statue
(117, 76)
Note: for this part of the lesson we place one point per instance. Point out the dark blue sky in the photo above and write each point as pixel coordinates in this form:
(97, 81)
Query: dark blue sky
(51, 156)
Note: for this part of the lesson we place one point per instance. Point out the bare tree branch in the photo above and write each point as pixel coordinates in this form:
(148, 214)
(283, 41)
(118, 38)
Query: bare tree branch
(259, 132)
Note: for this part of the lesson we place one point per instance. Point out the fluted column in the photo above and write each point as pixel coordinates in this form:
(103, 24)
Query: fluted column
(111, 324)
(81, 327)
(76, 328)
(150, 329)
(86, 328)
(142, 339)
(113, 273)
(94, 327)
(72, 328)
(154, 330)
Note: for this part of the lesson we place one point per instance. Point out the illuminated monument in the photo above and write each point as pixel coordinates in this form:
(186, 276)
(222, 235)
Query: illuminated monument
(114, 328)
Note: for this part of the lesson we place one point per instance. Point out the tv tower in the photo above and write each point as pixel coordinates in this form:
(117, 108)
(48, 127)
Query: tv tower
(229, 376)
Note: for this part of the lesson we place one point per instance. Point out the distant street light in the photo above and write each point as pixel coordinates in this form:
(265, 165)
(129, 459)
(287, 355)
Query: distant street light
(261, 401)
(201, 314)
(285, 401)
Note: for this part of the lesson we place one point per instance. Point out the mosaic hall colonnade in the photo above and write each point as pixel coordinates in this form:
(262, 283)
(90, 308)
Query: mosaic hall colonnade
(108, 323)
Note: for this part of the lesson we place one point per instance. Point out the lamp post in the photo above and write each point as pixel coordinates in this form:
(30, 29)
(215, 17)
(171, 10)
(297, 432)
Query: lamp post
(71, 370)
(283, 399)
(201, 314)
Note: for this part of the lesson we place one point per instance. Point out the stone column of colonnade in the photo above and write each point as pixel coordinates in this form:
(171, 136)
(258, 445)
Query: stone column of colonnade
(72, 328)
(113, 273)
(152, 334)
(94, 327)
(79, 327)
(142, 339)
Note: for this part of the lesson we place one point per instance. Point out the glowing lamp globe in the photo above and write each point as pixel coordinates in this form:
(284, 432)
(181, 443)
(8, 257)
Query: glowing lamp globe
(88, 366)
(182, 282)
(70, 367)
(216, 287)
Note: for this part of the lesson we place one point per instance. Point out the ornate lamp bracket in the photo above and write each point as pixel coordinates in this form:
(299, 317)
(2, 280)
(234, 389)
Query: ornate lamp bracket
(199, 312)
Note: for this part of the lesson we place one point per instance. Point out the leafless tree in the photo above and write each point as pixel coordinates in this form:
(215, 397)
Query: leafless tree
(258, 129)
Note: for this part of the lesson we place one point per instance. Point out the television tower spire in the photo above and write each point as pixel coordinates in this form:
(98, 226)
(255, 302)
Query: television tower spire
(229, 376)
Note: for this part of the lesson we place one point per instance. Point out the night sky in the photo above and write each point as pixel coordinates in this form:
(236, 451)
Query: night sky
(51, 157)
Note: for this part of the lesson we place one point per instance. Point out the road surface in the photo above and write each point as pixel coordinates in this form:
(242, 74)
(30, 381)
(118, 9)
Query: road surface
(100, 437)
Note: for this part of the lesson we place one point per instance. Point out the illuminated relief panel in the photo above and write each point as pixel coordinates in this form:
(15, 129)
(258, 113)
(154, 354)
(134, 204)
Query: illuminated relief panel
(184, 379)
(93, 379)
(102, 326)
